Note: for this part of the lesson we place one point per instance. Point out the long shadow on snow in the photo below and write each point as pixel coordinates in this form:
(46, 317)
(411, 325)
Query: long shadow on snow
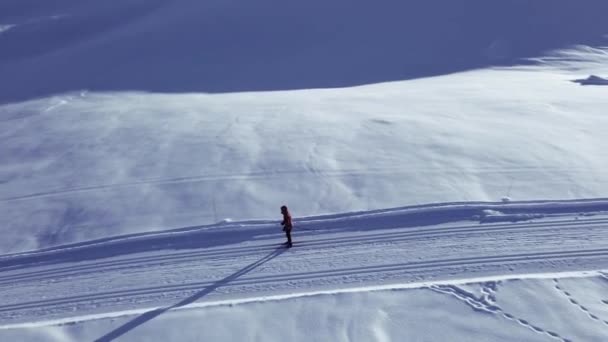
(198, 237)
(228, 46)
(134, 323)
(186, 238)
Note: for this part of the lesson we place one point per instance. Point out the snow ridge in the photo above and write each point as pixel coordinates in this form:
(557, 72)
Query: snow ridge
(231, 232)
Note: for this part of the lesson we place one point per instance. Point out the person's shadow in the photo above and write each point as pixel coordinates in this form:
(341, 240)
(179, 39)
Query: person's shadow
(139, 320)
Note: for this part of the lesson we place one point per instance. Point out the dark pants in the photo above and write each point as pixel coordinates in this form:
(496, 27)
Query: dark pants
(288, 234)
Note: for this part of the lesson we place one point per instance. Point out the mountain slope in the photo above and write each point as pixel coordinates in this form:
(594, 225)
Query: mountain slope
(88, 165)
(184, 46)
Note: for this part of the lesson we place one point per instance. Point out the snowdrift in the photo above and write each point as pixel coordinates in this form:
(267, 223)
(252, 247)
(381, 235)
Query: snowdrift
(592, 80)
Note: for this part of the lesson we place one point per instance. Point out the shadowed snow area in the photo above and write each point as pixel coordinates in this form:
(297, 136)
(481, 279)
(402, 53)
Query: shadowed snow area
(592, 80)
(230, 233)
(445, 170)
(226, 46)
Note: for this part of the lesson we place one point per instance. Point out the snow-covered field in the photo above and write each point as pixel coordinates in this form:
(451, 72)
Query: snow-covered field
(486, 271)
(87, 165)
(146, 146)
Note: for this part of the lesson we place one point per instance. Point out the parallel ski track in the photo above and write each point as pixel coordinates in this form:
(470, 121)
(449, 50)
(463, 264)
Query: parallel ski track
(330, 273)
(113, 265)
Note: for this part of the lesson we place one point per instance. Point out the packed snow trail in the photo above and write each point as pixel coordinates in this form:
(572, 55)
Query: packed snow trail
(243, 260)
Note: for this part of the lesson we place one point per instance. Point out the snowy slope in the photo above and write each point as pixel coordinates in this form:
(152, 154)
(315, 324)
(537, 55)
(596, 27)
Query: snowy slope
(146, 146)
(87, 165)
(123, 288)
(184, 46)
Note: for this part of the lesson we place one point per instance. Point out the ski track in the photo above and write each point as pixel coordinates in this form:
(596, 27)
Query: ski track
(55, 284)
(14, 261)
(306, 244)
(561, 255)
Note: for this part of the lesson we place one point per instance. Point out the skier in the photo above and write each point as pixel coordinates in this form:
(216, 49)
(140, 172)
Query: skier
(287, 226)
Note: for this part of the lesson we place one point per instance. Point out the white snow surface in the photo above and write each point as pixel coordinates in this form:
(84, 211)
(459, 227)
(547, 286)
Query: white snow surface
(446, 173)
(381, 275)
(86, 165)
(129, 116)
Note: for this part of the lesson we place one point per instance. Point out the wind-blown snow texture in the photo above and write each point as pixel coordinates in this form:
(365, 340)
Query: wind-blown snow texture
(129, 129)
(87, 165)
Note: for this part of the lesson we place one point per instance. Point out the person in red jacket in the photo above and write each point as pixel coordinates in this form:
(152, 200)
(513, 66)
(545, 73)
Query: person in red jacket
(287, 226)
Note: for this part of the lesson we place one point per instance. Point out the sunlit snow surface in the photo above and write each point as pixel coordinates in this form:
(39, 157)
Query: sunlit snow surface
(487, 271)
(145, 119)
(563, 309)
(86, 165)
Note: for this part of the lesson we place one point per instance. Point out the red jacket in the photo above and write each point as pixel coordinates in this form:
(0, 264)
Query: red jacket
(287, 220)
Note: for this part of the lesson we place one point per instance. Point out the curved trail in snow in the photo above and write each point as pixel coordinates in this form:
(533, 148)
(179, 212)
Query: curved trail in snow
(58, 283)
(232, 252)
